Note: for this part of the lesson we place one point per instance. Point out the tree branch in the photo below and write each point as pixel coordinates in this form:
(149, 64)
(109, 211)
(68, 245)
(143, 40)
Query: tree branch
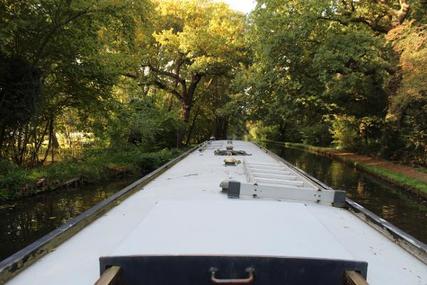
(165, 87)
(167, 73)
(382, 20)
(354, 20)
(191, 90)
(130, 75)
(403, 12)
(52, 32)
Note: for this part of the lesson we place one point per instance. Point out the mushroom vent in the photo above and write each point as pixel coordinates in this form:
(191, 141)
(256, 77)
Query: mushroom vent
(230, 152)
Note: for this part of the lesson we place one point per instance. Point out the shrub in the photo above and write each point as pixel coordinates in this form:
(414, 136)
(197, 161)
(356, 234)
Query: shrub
(93, 166)
(317, 134)
(344, 132)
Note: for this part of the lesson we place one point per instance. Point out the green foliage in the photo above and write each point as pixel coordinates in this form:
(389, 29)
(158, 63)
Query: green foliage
(345, 132)
(146, 124)
(195, 48)
(58, 54)
(259, 132)
(408, 107)
(353, 67)
(135, 118)
(201, 36)
(7, 166)
(20, 90)
(316, 134)
(364, 135)
(419, 11)
(398, 178)
(95, 165)
(327, 64)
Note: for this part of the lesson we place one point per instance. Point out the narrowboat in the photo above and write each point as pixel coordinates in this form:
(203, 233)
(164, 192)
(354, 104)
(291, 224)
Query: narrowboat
(225, 212)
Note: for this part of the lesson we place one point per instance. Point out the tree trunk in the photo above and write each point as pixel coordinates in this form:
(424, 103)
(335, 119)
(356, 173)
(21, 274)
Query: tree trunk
(221, 125)
(38, 143)
(2, 139)
(191, 128)
(186, 112)
(282, 131)
(50, 142)
(183, 90)
(181, 133)
(25, 140)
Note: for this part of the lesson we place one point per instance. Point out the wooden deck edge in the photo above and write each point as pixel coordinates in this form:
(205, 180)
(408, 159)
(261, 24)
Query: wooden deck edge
(14, 264)
(111, 276)
(354, 278)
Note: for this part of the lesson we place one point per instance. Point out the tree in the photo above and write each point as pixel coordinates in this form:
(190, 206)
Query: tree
(380, 15)
(353, 67)
(60, 59)
(307, 69)
(192, 41)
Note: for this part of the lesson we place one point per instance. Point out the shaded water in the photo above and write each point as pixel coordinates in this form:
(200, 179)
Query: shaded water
(25, 221)
(389, 202)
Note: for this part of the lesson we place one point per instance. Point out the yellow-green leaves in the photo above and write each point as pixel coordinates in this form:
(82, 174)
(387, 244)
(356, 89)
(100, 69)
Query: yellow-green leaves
(208, 34)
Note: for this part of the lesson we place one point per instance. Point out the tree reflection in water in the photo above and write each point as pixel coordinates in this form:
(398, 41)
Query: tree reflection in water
(27, 220)
(393, 204)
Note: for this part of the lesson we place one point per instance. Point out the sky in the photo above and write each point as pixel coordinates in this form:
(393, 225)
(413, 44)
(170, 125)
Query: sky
(244, 6)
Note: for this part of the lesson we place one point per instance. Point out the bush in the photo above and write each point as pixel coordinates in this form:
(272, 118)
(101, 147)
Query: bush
(142, 123)
(344, 132)
(317, 134)
(6, 166)
(14, 183)
(94, 165)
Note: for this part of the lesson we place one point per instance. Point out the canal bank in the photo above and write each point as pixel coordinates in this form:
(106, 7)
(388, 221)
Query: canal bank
(404, 177)
(94, 167)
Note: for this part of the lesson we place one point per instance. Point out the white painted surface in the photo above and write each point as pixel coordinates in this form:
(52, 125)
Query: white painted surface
(181, 212)
(232, 228)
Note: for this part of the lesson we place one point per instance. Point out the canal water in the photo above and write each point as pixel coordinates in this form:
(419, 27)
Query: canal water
(25, 221)
(391, 203)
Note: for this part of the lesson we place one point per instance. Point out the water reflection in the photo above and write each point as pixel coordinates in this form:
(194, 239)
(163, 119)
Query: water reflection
(25, 221)
(360, 189)
(391, 203)
(389, 212)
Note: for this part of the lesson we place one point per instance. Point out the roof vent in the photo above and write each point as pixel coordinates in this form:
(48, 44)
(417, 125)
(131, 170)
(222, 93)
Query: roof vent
(231, 161)
(230, 152)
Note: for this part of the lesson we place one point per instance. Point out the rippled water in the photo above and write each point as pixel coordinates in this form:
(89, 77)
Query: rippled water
(393, 204)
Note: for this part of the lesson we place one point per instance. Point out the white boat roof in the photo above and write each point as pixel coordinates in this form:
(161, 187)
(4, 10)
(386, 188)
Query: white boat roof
(183, 212)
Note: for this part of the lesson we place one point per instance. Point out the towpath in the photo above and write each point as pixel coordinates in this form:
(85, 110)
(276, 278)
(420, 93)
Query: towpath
(377, 162)
(407, 177)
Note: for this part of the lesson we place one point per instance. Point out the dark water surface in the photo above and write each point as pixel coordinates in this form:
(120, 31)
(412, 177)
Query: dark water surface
(25, 221)
(395, 205)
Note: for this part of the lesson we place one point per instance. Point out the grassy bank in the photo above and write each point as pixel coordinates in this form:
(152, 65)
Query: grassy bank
(94, 166)
(391, 172)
